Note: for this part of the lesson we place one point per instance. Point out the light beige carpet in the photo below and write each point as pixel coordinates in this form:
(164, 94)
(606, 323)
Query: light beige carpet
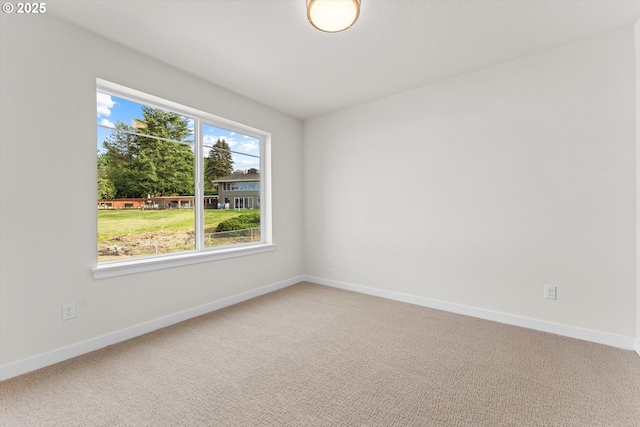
(311, 355)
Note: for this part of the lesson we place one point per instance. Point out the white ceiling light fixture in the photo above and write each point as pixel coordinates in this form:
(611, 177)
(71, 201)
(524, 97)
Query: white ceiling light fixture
(332, 16)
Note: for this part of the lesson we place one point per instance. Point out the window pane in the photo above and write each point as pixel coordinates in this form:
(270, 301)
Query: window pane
(232, 174)
(145, 180)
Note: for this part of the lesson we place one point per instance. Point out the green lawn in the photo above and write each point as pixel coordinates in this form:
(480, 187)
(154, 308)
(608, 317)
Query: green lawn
(114, 223)
(131, 233)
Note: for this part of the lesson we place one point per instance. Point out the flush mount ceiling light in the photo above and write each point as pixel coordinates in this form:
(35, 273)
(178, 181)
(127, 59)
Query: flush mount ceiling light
(332, 16)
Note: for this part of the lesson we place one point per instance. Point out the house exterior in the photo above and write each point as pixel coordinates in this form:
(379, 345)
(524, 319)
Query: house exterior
(239, 190)
(161, 202)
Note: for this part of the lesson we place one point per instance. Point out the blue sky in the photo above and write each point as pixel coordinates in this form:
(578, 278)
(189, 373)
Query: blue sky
(111, 109)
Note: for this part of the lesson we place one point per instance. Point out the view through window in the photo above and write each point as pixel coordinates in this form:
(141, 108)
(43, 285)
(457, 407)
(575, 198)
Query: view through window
(170, 182)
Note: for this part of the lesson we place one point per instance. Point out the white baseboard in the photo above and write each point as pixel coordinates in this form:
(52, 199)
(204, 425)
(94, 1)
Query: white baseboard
(31, 364)
(40, 361)
(623, 342)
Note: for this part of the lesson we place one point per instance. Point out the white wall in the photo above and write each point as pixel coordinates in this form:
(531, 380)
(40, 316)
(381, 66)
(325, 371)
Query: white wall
(637, 45)
(481, 189)
(48, 191)
(477, 191)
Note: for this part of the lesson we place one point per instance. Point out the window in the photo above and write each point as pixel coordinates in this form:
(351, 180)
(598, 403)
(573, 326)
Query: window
(243, 202)
(241, 186)
(164, 171)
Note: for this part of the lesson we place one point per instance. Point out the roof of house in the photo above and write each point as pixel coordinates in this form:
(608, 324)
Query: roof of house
(235, 177)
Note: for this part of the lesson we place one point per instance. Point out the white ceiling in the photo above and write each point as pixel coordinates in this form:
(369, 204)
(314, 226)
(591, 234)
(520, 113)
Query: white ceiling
(266, 50)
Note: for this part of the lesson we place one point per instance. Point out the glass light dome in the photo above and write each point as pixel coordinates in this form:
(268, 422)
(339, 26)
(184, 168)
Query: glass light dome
(333, 16)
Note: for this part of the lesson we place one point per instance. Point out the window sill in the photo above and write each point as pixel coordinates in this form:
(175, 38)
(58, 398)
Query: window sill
(131, 266)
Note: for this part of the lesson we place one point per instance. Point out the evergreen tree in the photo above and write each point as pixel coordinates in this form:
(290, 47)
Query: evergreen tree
(219, 163)
(173, 163)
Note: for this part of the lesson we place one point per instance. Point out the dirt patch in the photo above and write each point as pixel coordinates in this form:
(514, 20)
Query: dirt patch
(166, 242)
(145, 244)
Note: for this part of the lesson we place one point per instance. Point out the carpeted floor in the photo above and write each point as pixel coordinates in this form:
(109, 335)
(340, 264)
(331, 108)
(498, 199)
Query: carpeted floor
(310, 355)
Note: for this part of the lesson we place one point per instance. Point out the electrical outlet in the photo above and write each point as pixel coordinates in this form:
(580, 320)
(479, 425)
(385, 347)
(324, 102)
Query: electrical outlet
(330, 261)
(550, 292)
(68, 311)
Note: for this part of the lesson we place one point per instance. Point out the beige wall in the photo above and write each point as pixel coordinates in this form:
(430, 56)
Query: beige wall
(482, 189)
(48, 148)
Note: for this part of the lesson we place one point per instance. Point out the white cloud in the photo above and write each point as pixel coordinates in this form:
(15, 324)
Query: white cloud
(104, 104)
(247, 147)
(107, 122)
(211, 140)
(245, 163)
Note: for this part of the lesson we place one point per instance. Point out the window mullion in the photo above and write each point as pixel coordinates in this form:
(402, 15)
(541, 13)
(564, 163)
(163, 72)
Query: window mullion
(199, 183)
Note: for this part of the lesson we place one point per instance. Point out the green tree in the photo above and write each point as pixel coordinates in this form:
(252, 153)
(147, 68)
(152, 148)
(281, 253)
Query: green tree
(219, 163)
(137, 166)
(106, 188)
(125, 163)
(173, 162)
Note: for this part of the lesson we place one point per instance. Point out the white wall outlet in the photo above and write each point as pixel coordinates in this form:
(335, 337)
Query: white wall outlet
(549, 292)
(68, 311)
(330, 261)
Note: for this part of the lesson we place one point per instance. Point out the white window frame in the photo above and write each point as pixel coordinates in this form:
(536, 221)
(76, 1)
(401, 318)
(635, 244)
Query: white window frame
(201, 253)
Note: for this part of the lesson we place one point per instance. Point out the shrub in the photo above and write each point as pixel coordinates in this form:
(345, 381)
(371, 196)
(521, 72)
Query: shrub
(240, 222)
